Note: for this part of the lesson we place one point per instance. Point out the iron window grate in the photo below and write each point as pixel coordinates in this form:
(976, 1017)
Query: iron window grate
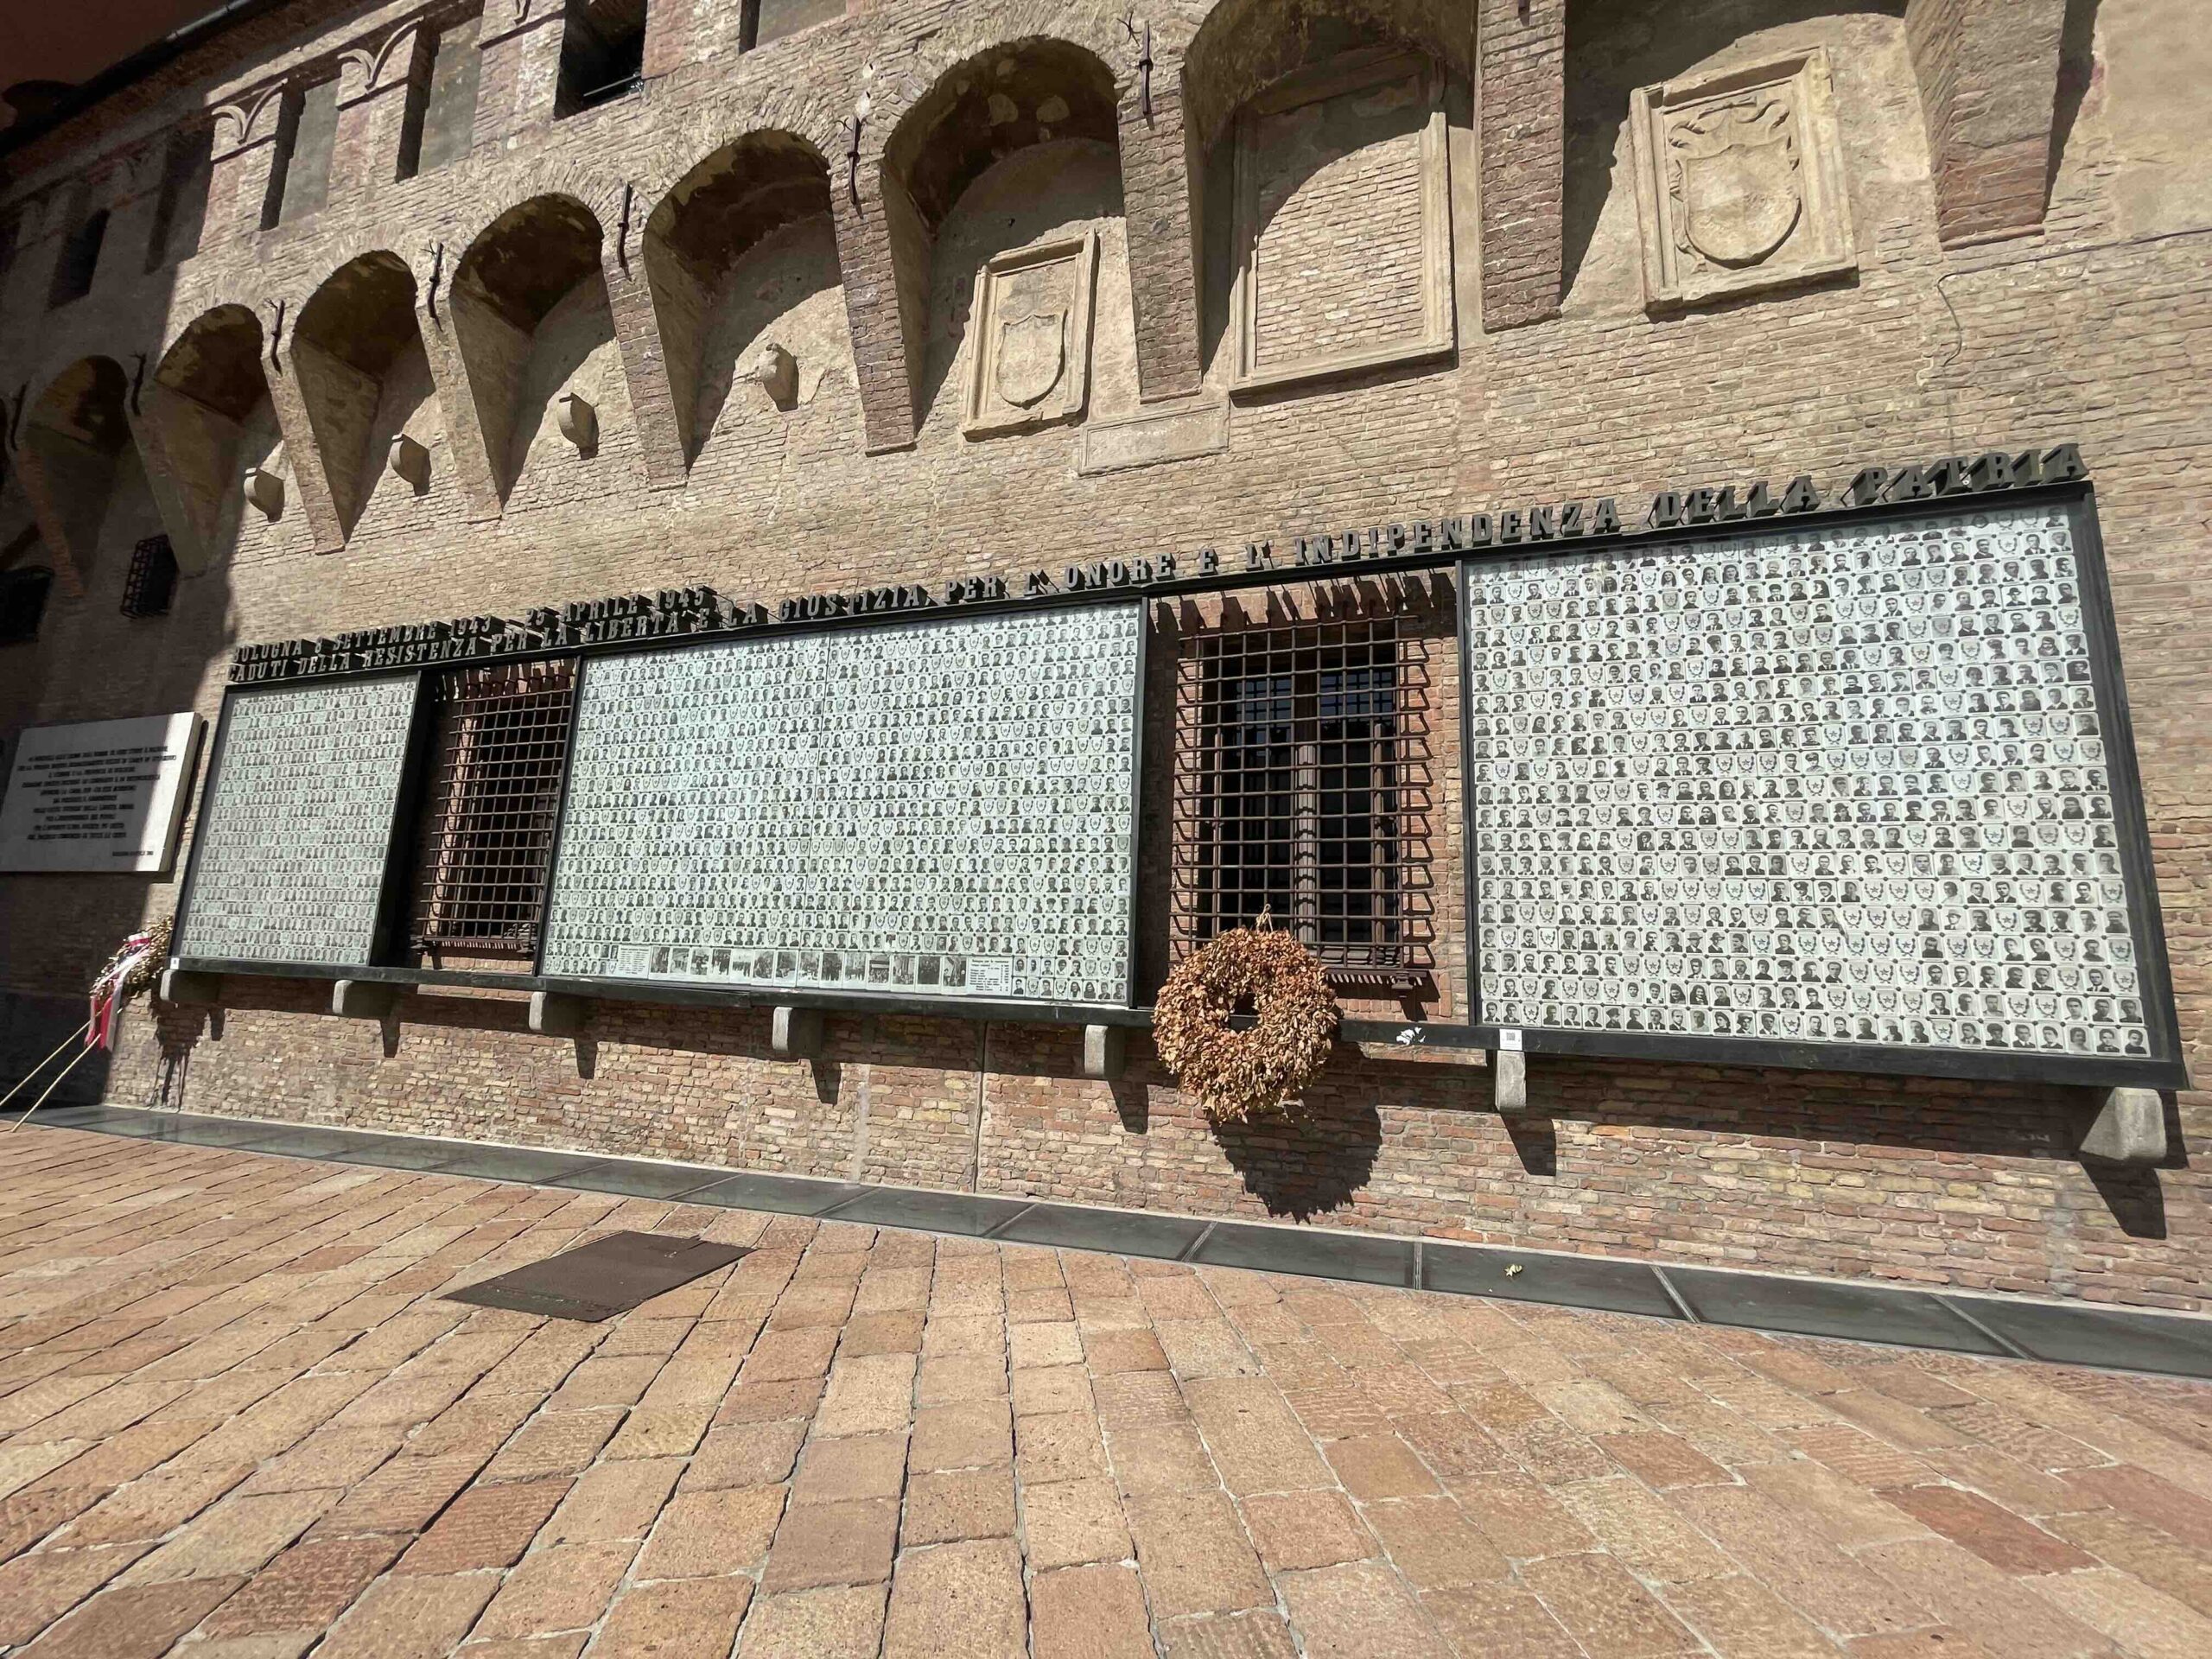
(1301, 789)
(151, 583)
(500, 751)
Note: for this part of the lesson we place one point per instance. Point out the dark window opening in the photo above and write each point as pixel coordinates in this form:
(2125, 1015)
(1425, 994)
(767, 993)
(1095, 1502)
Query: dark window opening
(1301, 790)
(151, 583)
(602, 53)
(22, 603)
(81, 258)
(498, 755)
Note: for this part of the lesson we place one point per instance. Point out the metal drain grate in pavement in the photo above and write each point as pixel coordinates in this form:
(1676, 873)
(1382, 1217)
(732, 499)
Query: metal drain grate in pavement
(608, 1276)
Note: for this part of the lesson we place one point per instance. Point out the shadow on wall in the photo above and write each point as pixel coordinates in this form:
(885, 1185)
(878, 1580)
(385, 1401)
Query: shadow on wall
(1306, 1162)
(2077, 69)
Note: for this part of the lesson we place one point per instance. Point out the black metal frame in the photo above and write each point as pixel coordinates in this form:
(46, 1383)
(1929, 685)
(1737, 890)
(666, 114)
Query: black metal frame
(2163, 1069)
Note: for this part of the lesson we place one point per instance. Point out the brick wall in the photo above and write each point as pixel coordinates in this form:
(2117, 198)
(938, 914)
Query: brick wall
(2094, 328)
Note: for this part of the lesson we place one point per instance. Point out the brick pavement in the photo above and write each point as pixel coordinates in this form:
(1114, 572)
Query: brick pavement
(237, 1421)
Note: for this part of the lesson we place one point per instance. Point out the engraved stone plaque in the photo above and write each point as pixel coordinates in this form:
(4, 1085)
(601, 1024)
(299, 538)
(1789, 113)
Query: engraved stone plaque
(292, 840)
(1836, 785)
(924, 810)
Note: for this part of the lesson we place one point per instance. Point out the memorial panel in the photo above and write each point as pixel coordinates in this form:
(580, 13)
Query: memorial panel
(1843, 785)
(288, 862)
(920, 810)
(105, 795)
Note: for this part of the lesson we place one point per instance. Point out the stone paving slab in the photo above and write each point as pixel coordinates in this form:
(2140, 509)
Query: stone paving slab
(238, 1418)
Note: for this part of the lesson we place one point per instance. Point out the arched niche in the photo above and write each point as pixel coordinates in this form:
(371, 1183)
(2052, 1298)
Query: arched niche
(741, 256)
(1335, 151)
(69, 452)
(204, 418)
(529, 315)
(1043, 112)
(357, 355)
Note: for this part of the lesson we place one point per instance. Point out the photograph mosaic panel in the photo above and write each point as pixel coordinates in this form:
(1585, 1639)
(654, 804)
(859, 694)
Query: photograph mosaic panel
(1819, 785)
(928, 810)
(291, 843)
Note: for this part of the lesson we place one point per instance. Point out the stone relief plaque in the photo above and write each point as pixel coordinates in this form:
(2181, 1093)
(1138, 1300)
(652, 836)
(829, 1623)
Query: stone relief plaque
(1344, 223)
(1740, 183)
(290, 860)
(936, 808)
(1030, 328)
(1841, 786)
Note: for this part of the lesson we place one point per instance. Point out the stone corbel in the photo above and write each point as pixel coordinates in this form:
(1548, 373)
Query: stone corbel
(883, 253)
(1163, 253)
(462, 389)
(1521, 48)
(363, 998)
(317, 399)
(2127, 1128)
(1105, 1051)
(658, 308)
(1989, 74)
(1509, 1080)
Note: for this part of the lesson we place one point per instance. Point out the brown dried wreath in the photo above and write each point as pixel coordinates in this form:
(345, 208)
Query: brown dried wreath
(1235, 1074)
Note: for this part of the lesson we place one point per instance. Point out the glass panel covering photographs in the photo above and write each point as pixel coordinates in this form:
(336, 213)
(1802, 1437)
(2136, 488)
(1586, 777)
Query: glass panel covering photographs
(1823, 786)
(291, 843)
(929, 809)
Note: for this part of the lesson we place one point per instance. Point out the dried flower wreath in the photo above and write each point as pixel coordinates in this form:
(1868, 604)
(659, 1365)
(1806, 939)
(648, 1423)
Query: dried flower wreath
(1236, 1074)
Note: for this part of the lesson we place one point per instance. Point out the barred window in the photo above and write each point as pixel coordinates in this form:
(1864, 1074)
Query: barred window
(151, 583)
(1301, 790)
(499, 754)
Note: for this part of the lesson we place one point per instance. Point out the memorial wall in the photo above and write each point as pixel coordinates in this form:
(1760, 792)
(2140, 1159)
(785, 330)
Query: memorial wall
(1846, 787)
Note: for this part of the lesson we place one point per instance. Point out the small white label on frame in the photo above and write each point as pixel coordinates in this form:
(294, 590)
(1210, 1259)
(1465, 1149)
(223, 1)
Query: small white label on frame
(1509, 1038)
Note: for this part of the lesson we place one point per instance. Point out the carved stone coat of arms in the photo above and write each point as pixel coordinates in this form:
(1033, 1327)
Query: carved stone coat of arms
(1740, 183)
(1032, 355)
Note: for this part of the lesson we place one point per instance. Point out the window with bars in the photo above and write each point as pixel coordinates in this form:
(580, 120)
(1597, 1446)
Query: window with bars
(150, 582)
(500, 744)
(1301, 790)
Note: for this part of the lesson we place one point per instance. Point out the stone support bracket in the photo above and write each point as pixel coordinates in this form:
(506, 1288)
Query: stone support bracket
(188, 989)
(1509, 1080)
(2128, 1127)
(797, 1034)
(555, 1014)
(1105, 1051)
(363, 998)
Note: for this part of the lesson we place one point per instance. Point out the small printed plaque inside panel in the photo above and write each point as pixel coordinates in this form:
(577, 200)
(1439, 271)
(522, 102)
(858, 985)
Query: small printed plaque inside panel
(1809, 786)
(924, 810)
(292, 840)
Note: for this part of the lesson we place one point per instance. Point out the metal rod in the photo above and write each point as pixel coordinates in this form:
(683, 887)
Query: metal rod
(59, 1077)
(43, 1064)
